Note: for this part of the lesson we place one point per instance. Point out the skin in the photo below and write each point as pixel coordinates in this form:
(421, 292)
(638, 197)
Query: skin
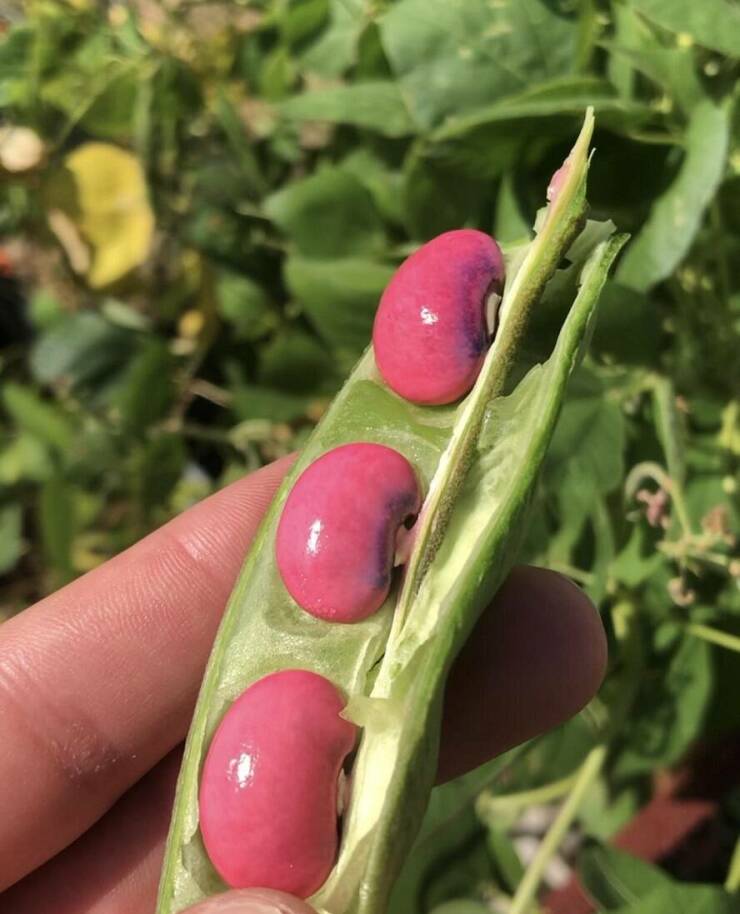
(99, 680)
(430, 335)
(335, 564)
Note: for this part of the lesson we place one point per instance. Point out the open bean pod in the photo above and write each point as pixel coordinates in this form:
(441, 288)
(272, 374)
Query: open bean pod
(475, 463)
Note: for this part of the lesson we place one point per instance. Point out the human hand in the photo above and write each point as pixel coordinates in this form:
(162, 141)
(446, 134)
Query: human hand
(98, 683)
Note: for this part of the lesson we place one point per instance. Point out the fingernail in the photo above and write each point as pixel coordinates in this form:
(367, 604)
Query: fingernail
(252, 901)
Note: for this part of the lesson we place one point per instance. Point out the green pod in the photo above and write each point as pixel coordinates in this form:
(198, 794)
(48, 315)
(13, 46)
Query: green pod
(477, 462)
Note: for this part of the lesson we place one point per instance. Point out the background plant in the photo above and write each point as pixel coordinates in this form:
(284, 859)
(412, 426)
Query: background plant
(200, 205)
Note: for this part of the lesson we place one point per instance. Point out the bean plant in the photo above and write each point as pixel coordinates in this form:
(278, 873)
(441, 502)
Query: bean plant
(201, 206)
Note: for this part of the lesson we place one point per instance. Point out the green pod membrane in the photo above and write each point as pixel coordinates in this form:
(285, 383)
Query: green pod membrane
(477, 462)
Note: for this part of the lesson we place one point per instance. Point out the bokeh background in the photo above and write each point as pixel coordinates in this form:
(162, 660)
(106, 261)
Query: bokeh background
(200, 204)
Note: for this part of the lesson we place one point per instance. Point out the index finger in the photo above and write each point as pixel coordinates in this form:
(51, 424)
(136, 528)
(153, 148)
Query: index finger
(98, 681)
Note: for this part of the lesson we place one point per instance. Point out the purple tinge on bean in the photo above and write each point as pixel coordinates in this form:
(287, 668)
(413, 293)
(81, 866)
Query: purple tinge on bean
(430, 335)
(268, 800)
(336, 538)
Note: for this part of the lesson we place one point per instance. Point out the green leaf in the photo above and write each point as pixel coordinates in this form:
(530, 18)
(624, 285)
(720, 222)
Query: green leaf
(299, 20)
(104, 106)
(25, 458)
(621, 311)
(278, 74)
(676, 216)
(372, 105)
(636, 48)
(15, 50)
(258, 402)
(336, 48)
(505, 858)
(511, 225)
(44, 309)
(670, 710)
(329, 214)
(589, 440)
(147, 389)
(612, 877)
(607, 808)
(82, 349)
(555, 98)
(11, 538)
(245, 305)
(295, 362)
(383, 183)
(712, 23)
(450, 59)
(672, 69)
(240, 146)
(585, 463)
(339, 296)
(685, 899)
(449, 827)
(638, 559)
(58, 525)
(429, 207)
(41, 419)
(156, 467)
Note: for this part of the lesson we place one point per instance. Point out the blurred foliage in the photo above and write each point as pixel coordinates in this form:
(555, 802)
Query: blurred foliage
(200, 205)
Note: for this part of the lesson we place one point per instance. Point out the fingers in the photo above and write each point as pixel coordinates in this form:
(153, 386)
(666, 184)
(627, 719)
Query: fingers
(98, 681)
(252, 901)
(535, 658)
(114, 867)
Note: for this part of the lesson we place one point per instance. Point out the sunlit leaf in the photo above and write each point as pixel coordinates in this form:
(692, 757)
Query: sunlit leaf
(712, 23)
(676, 216)
(374, 105)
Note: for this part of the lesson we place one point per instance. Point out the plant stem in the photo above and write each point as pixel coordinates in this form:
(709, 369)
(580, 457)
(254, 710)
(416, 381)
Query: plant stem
(670, 432)
(570, 571)
(732, 882)
(723, 270)
(682, 550)
(490, 805)
(714, 636)
(527, 888)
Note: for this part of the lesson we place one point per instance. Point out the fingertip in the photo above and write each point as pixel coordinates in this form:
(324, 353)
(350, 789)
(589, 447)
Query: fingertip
(535, 658)
(565, 613)
(252, 901)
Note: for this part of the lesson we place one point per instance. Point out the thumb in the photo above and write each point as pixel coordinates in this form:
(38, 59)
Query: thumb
(252, 901)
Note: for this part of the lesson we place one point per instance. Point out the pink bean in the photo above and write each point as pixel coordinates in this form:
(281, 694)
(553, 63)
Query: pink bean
(336, 538)
(430, 335)
(269, 788)
(557, 181)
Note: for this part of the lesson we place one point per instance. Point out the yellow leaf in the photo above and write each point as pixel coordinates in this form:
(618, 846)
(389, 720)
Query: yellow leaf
(102, 192)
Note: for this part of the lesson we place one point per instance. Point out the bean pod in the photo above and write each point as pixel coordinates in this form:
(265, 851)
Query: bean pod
(430, 334)
(336, 539)
(269, 788)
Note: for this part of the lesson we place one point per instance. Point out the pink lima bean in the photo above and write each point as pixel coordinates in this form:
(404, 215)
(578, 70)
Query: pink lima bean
(430, 334)
(269, 790)
(336, 539)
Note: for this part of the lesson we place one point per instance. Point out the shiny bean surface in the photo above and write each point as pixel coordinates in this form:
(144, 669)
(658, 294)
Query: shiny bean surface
(430, 334)
(337, 535)
(269, 788)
